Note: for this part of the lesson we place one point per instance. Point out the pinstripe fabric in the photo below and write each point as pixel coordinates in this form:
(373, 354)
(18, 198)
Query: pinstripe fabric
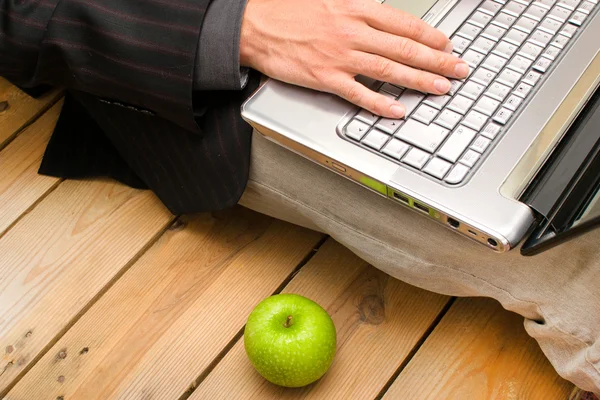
(130, 114)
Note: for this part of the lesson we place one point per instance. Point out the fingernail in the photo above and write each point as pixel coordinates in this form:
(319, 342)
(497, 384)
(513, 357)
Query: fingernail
(462, 70)
(449, 47)
(398, 111)
(441, 85)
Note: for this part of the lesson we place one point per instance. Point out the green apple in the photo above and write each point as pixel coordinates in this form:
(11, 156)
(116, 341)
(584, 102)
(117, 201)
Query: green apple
(290, 340)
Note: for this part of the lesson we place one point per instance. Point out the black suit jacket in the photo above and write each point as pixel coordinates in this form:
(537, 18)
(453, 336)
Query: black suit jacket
(130, 112)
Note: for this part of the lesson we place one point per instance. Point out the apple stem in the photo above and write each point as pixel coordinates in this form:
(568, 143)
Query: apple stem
(288, 322)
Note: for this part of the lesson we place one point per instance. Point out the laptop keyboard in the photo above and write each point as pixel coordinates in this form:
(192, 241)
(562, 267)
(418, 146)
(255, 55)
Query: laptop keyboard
(510, 45)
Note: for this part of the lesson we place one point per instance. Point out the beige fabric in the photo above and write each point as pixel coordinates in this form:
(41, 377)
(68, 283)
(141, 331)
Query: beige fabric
(556, 292)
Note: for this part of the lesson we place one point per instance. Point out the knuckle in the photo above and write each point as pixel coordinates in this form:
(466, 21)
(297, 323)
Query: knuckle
(443, 63)
(353, 95)
(414, 27)
(383, 68)
(408, 50)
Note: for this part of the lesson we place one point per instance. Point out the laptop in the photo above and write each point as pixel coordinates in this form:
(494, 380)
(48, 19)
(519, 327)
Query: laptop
(511, 156)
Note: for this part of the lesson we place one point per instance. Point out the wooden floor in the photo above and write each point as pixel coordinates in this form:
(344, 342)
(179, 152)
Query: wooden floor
(105, 295)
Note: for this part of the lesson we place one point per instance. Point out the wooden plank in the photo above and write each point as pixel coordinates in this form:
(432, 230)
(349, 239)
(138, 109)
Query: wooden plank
(61, 255)
(379, 320)
(172, 312)
(20, 184)
(22, 109)
(479, 351)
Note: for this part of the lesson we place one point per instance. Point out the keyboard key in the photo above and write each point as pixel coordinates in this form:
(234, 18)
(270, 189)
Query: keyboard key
(375, 139)
(389, 125)
(531, 50)
(457, 175)
(395, 149)
(550, 25)
(426, 114)
(481, 144)
(515, 37)
(514, 8)
(480, 19)
(391, 89)
(388, 95)
(504, 20)
(491, 131)
(367, 117)
(526, 24)
(498, 91)
(454, 86)
(356, 129)
(494, 62)
(586, 7)
(540, 38)
(546, 3)
(469, 31)
(523, 89)
(457, 143)
(472, 90)
(490, 7)
(532, 77)
(448, 119)
(460, 104)
(483, 45)
(570, 4)
(513, 102)
(536, 12)
(438, 102)
(473, 58)
(416, 158)
(560, 41)
(475, 120)
(505, 49)
(560, 13)
(503, 116)
(437, 168)
(569, 30)
(551, 52)
(487, 106)
(493, 32)
(520, 64)
(460, 44)
(483, 76)
(470, 158)
(411, 99)
(426, 137)
(542, 64)
(510, 77)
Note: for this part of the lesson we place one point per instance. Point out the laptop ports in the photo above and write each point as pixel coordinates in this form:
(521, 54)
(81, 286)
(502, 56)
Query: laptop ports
(401, 198)
(492, 242)
(453, 223)
(421, 207)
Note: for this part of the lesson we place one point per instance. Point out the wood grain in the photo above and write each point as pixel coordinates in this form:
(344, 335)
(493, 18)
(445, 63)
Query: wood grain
(56, 259)
(173, 312)
(20, 184)
(379, 321)
(22, 109)
(479, 351)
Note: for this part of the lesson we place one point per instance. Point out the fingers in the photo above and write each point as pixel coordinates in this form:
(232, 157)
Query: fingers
(412, 53)
(358, 94)
(384, 69)
(388, 19)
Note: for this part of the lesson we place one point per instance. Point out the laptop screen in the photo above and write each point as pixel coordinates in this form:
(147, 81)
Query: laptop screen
(415, 7)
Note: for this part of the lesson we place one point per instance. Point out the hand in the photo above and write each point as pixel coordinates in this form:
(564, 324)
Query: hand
(325, 44)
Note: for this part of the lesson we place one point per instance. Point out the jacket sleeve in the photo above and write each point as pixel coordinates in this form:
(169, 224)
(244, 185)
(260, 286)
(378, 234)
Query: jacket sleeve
(139, 53)
(218, 58)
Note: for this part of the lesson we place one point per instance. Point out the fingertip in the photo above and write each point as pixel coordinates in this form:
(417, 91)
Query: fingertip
(442, 85)
(449, 47)
(398, 110)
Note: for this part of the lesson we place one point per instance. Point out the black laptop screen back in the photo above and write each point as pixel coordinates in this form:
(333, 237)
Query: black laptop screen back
(566, 193)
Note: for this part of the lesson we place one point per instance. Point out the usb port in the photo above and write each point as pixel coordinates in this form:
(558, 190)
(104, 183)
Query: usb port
(421, 207)
(403, 199)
